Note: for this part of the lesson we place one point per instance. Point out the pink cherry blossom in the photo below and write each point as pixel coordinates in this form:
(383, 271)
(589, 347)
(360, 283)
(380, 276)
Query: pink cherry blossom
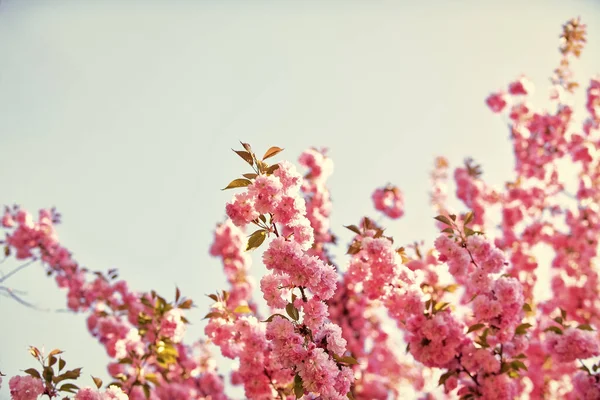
(25, 387)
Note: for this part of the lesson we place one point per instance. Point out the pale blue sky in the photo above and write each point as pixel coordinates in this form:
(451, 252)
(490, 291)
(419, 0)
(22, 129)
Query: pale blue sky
(123, 115)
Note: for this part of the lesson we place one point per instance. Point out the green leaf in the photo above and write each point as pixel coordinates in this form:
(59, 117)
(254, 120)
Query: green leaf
(61, 364)
(214, 314)
(145, 301)
(146, 388)
(345, 359)
(34, 352)
(256, 239)
(469, 231)
(186, 305)
(445, 377)
(354, 247)
(554, 329)
(522, 329)
(443, 219)
(97, 382)
(527, 307)
(585, 327)
(238, 183)
(69, 388)
(247, 147)
(48, 374)
(272, 169)
(520, 356)
(517, 365)
(72, 374)
(448, 230)
(292, 311)
(271, 152)
(475, 327)
(451, 288)
(151, 378)
(298, 386)
(55, 352)
(33, 372)
(353, 228)
(558, 320)
(468, 218)
(483, 338)
(213, 296)
(273, 316)
(513, 374)
(242, 309)
(245, 155)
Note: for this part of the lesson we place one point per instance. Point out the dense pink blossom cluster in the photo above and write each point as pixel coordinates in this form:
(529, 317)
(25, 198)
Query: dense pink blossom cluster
(467, 307)
(112, 393)
(289, 261)
(471, 191)
(313, 364)
(245, 338)
(474, 260)
(498, 387)
(572, 344)
(434, 341)
(378, 267)
(25, 387)
(114, 310)
(278, 195)
(586, 387)
(390, 201)
(306, 347)
(229, 246)
(317, 197)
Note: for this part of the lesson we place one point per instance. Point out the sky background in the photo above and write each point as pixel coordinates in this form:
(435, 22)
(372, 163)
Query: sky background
(123, 114)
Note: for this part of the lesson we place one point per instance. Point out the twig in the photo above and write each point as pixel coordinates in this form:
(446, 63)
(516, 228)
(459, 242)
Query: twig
(14, 271)
(11, 293)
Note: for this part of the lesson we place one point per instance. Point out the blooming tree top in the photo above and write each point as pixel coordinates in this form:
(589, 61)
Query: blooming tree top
(462, 304)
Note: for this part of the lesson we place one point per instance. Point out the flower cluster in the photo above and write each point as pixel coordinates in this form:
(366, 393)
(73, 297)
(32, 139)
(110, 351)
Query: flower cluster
(25, 387)
(572, 344)
(390, 201)
(317, 197)
(228, 245)
(141, 333)
(273, 200)
(112, 393)
(434, 341)
(481, 328)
